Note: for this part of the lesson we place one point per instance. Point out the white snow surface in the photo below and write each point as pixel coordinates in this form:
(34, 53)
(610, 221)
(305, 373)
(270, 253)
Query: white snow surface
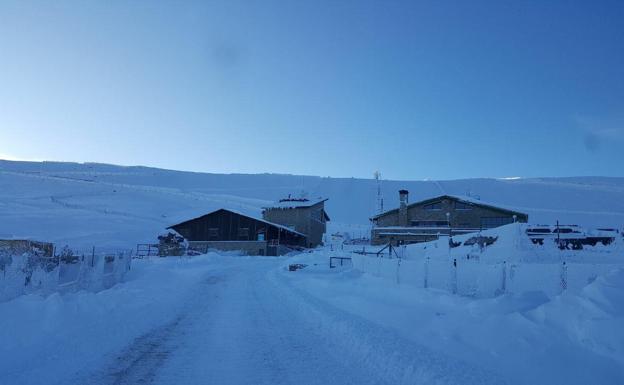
(108, 206)
(244, 320)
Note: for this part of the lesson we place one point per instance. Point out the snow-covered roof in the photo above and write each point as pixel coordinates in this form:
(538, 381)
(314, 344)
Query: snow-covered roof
(282, 227)
(290, 203)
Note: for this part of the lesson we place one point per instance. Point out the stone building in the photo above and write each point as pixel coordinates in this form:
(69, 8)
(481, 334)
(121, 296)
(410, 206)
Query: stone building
(302, 215)
(442, 215)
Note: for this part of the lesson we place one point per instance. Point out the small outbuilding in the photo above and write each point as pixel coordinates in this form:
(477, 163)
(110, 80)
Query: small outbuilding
(226, 230)
(426, 220)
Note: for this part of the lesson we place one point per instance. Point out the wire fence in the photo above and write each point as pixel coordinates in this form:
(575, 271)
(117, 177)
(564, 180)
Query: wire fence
(31, 272)
(483, 280)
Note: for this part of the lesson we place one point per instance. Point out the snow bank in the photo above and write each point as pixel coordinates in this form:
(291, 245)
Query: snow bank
(40, 335)
(527, 338)
(27, 274)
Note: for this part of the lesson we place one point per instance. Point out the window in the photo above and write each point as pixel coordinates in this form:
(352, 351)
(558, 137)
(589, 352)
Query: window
(243, 232)
(317, 215)
(462, 206)
(490, 222)
(261, 236)
(539, 230)
(433, 206)
(563, 230)
(213, 232)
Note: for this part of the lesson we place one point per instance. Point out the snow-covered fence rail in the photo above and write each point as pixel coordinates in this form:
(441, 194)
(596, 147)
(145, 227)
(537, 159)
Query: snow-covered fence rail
(27, 273)
(483, 280)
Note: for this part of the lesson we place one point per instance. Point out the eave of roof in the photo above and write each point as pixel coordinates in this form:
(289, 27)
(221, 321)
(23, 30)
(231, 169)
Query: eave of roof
(282, 227)
(452, 197)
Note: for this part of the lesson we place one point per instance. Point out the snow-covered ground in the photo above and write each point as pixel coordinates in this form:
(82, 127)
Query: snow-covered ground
(245, 320)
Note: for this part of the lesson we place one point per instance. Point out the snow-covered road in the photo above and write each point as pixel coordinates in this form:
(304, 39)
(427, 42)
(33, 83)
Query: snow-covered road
(244, 324)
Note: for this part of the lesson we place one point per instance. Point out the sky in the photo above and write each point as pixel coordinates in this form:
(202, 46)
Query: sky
(414, 89)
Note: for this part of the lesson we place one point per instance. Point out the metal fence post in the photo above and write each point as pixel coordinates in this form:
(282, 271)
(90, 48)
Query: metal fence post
(504, 283)
(454, 277)
(563, 279)
(427, 272)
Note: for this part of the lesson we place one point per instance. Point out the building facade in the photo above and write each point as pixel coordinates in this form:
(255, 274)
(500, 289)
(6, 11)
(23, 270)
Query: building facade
(442, 215)
(229, 230)
(302, 215)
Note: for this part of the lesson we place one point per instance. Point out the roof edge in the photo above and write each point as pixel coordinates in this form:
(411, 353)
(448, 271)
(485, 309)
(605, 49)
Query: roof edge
(285, 228)
(452, 197)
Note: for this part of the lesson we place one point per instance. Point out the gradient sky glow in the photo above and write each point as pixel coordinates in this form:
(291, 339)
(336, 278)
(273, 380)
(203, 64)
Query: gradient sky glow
(338, 88)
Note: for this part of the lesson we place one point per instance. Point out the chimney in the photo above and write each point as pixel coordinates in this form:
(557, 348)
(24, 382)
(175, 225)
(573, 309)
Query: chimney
(403, 208)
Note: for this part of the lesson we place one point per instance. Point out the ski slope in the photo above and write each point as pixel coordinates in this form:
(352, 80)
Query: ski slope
(108, 206)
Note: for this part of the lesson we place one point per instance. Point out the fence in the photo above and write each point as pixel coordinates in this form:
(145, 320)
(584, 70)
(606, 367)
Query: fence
(339, 261)
(472, 278)
(29, 273)
(144, 250)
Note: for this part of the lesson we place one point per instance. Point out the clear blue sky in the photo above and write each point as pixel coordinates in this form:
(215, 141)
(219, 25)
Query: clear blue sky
(339, 88)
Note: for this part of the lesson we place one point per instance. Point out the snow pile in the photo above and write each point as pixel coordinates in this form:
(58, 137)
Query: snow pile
(526, 338)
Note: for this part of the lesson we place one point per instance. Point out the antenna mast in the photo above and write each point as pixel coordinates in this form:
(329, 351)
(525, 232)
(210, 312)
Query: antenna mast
(380, 208)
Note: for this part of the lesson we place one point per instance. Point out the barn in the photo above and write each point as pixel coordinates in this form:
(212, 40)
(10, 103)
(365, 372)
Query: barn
(441, 215)
(227, 230)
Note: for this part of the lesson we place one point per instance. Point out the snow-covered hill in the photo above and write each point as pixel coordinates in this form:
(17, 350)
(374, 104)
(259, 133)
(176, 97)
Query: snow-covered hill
(114, 206)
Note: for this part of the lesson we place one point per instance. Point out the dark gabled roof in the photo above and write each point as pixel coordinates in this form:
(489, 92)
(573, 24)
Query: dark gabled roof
(282, 227)
(468, 200)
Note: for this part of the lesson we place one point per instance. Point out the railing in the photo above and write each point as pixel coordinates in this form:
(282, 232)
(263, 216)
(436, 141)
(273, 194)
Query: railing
(146, 250)
(342, 261)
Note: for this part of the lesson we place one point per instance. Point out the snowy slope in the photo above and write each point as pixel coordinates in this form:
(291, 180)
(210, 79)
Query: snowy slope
(113, 206)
